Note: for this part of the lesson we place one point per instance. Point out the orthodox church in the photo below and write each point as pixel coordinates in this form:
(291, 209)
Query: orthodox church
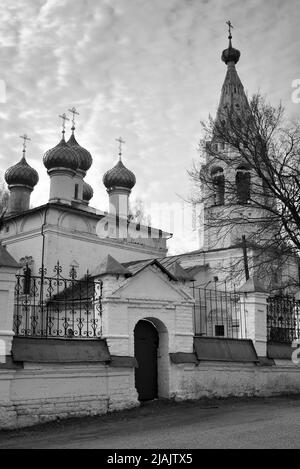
(67, 229)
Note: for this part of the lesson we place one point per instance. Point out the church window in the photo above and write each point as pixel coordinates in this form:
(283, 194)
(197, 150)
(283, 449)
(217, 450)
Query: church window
(219, 330)
(218, 180)
(76, 191)
(242, 180)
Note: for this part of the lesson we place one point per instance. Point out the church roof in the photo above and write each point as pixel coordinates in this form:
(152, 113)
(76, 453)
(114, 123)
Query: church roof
(87, 192)
(137, 266)
(61, 156)
(110, 266)
(6, 260)
(233, 97)
(85, 158)
(174, 266)
(119, 176)
(22, 174)
(252, 285)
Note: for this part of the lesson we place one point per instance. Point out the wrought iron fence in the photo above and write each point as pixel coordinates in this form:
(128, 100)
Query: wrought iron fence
(219, 314)
(55, 306)
(283, 319)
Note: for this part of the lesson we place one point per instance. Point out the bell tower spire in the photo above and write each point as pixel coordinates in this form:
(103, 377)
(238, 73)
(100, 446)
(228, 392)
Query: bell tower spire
(233, 97)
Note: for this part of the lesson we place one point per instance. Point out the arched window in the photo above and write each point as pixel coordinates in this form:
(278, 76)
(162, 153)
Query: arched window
(242, 181)
(218, 180)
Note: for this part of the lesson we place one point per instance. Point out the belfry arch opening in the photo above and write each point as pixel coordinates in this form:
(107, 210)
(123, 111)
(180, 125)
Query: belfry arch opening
(243, 182)
(218, 179)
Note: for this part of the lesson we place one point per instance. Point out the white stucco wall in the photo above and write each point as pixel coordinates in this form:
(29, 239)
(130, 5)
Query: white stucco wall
(40, 393)
(71, 236)
(218, 379)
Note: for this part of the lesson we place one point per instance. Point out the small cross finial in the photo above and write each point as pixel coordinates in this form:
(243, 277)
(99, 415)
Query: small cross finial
(230, 27)
(25, 139)
(64, 119)
(121, 142)
(74, 112)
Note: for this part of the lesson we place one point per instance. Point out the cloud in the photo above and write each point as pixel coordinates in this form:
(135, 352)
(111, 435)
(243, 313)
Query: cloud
(148, 71)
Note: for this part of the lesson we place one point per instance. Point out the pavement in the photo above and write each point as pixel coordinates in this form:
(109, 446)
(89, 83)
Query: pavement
(206, 423)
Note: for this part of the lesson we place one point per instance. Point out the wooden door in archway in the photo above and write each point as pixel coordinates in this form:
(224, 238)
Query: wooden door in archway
(145, 351)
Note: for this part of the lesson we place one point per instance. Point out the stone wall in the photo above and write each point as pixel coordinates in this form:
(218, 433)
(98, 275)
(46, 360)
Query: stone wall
(226, 379)
(39, 393)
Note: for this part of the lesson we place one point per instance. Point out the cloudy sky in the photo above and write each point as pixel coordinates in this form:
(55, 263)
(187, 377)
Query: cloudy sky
(148, 70)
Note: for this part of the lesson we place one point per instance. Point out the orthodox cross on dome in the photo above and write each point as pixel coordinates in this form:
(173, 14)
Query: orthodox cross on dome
(75, 113)
(121, 142)
(25, 139)
(230, 27)
(64, 119)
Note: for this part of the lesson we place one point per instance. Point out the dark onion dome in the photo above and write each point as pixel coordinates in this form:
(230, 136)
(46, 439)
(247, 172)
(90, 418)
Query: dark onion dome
(85, 158)
(61, 156)
(231, 54)
(22, 174)
(87, 192)
(119, 176)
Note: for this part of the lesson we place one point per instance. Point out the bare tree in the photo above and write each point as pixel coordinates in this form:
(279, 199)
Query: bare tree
(137, 213)
(249, 181)
(4, 195)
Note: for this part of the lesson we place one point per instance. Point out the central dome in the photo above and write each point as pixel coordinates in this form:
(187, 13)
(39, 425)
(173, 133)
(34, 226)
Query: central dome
(61, 156)
(85, 158)
(119, 176)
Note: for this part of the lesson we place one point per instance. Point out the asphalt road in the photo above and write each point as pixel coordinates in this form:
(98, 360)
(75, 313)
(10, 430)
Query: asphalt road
(230, 423)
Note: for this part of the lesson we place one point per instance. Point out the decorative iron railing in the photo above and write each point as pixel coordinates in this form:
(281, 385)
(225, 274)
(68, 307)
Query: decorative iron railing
(219, 314)
(55, 306)
(283, 319)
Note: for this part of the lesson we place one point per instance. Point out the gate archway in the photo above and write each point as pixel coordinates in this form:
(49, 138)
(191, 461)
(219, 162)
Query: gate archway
(146, 341)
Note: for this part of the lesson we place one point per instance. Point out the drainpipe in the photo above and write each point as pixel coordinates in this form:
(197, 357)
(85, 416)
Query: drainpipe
(43, 256)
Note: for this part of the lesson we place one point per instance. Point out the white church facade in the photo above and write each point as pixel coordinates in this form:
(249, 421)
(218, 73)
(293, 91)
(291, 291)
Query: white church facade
(67, 229)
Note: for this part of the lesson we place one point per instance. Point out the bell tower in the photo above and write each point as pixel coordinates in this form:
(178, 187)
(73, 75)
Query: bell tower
(228, 180)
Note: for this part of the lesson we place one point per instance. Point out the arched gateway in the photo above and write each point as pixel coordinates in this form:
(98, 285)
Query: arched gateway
(146, 341)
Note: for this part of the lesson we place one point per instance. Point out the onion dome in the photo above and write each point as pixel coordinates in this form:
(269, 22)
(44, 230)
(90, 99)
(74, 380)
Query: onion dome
(85, 158)
(231, 54)
(87, 192)
(119, 176)
(61, 156)
(21, 174)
